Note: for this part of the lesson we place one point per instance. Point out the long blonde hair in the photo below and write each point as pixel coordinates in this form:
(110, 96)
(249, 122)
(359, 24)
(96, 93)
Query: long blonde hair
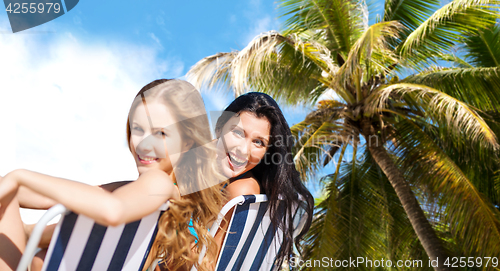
(202, 199)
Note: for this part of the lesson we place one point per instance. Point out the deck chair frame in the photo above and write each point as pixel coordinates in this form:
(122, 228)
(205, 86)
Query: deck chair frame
(78, 243)
(241, 249)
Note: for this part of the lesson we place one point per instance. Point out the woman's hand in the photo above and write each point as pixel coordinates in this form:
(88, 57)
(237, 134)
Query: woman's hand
(8, 190)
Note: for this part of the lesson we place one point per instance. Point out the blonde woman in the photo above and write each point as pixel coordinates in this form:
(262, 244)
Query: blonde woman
(168, 136)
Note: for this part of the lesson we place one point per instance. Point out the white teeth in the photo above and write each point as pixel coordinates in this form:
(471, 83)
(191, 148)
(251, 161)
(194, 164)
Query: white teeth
(237, 160)
(147, 158)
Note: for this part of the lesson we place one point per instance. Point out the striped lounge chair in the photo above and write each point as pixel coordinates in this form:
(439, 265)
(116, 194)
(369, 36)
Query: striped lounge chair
(78, 243)
(251, 242)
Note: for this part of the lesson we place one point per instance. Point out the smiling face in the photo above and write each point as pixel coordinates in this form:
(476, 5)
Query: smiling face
(242, 144)
(155, 140)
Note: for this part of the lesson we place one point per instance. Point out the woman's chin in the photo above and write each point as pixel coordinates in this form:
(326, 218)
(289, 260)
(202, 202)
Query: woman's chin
(229, 173)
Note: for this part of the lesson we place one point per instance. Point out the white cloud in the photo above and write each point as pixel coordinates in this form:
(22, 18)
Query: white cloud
(259, 19)
(156, 39)
(64, 103)
(260, 25)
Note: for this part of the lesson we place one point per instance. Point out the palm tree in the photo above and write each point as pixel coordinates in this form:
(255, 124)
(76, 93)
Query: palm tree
(478, 49)
(362, 217)
(383, 94)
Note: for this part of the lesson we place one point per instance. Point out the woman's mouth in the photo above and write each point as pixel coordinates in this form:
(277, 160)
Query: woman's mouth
(235, 161)
(147, 159)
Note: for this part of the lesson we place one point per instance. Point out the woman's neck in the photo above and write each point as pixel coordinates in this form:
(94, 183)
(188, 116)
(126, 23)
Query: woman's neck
(247, 174)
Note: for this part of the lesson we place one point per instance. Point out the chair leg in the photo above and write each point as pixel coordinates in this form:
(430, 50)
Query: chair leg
(12, 237)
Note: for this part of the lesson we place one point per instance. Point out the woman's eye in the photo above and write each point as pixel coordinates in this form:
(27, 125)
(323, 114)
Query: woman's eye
(259, 142)
(161, 133)
(239, 133)
(138, 129)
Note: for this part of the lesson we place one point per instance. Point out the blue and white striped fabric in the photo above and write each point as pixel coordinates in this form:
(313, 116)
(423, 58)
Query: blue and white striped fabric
(252, 242)
(78, 243)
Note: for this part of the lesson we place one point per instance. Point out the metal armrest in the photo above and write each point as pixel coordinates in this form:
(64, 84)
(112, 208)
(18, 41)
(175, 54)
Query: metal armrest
(228, 206)
(36, 235)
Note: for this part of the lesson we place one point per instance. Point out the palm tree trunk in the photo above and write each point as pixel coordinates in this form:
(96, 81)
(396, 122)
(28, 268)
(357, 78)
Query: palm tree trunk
(428, 238)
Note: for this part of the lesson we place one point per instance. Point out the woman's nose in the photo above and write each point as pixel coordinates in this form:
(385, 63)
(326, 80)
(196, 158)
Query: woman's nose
(153, 146)
(146, 146)
(243, 149)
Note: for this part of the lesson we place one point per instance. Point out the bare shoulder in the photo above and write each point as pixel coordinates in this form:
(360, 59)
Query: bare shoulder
(158, 181)
(155, 174)
(243, 186)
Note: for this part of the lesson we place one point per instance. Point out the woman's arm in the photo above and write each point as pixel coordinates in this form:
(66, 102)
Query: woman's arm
(127, 203)
(29, 199)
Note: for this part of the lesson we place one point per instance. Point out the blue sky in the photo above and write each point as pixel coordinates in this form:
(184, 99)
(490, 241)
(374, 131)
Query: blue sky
(183, 32)
(66, 85)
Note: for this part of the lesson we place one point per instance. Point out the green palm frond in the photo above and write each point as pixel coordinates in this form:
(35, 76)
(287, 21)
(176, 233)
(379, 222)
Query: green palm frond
(341, 22)
(349, 228)
(312, 147)
(483, 46)
(300, 63)
(213, 71)
(477, 163)
(360, 216)
(439, 107)
(372, 41)
(426, 165)
(496, 181)
(251, 58)
(455, 61)
(409, 13)
(319, 136)
(303, 65)
(445, 28)
(476, 86)
(318, 240)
